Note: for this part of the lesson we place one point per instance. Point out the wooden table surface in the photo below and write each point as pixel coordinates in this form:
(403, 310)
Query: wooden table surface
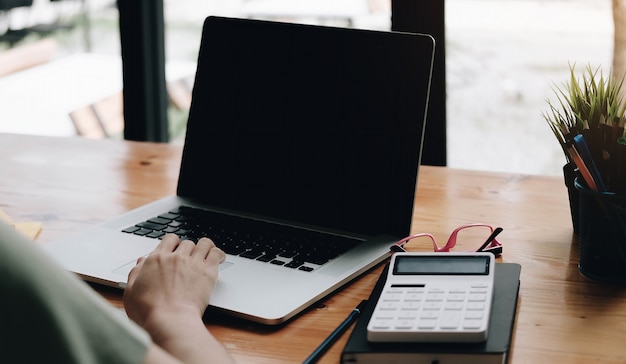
(71, 183)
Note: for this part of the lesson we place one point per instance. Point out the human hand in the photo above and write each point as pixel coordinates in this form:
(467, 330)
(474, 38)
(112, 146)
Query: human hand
(177, 277)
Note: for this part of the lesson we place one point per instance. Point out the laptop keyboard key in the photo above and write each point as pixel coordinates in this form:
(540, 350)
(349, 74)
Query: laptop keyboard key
(315, 259)
(170, 229)
(131, 229)
(169, 216)
(288, 254)
(251, 254)
(160, 220)
(175, 223)
(142, 232)
(151, 225)
(155, 234)
(181, 232)
(294, 264)
(266, 258)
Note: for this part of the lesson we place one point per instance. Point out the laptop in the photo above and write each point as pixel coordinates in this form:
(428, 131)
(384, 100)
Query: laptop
(308, 137)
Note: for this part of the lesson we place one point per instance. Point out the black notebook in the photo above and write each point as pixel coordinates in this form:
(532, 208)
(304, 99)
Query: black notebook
(494, 350)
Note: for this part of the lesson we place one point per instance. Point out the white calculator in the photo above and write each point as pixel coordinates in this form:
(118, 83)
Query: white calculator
(434, 297)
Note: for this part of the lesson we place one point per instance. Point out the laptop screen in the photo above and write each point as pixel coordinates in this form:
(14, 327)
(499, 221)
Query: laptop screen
(309, 124)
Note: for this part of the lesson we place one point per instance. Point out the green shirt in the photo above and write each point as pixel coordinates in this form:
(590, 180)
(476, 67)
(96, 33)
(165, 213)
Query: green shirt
(48, 315)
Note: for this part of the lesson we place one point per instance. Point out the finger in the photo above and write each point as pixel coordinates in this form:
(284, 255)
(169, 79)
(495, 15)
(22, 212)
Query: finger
(186, 247)
(135, 270)
(169, 243)
(202, 248)
(216, 256)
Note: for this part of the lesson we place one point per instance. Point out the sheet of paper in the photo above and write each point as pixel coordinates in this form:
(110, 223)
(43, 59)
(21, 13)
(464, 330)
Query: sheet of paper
(31, 228)
(4, 217)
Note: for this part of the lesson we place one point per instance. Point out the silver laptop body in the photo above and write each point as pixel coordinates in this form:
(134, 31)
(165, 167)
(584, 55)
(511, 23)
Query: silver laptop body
(314, 128)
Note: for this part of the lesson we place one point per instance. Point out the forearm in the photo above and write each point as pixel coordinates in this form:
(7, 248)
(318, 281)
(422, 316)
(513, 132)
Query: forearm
(185, 337)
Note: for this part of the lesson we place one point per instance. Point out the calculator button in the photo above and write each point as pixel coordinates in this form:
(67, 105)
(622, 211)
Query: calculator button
(478, 291)
(435, 296)
(389, 305)
(472, 324)
(415, 291)
(450, 320)
(392, 297)
(480, 285)
(406, 315)
(475, 306)
(405, 324)
(449, 325)
(453, 306)
(382, 324)
(476, 315)
(410, 305)
(427, 323)
(477, 297)
(456, 297)
(436, 306)
(414, 297)
(429, 315)
(436, 290)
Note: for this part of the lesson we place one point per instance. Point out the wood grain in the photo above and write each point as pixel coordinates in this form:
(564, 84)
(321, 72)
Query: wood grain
(68, 184)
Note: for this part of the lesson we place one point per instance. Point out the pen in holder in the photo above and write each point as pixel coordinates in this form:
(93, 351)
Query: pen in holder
(602, 235)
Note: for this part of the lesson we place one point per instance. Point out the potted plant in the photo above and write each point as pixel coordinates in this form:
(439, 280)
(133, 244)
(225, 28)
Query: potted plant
(595, 109)
(589, 124)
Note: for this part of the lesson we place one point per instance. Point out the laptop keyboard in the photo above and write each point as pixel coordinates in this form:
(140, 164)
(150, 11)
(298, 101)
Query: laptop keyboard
(263, 241)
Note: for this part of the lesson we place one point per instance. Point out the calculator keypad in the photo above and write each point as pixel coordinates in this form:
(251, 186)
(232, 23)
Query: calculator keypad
(431, 314)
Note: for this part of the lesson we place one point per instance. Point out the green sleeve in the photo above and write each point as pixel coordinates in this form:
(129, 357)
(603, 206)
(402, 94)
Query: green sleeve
(48, 315)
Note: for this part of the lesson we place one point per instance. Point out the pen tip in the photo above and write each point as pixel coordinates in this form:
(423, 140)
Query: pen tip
(361, 305)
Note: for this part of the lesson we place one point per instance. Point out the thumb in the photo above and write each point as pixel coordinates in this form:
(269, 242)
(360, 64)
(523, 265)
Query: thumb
(135, 271)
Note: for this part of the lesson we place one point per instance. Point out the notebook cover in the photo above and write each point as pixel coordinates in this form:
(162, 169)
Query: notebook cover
(494, 350)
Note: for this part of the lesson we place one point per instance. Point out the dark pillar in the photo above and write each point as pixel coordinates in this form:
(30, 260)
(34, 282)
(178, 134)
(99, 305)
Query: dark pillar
(143, 58)
(427, 16)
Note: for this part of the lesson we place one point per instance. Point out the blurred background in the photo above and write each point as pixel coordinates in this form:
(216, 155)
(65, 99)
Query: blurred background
(60, 66)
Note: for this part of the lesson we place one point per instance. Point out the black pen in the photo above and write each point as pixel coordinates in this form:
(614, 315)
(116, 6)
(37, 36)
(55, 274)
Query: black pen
(328, 342)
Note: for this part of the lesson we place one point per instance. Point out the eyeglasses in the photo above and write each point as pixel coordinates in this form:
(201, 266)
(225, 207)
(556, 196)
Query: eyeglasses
(490, 245)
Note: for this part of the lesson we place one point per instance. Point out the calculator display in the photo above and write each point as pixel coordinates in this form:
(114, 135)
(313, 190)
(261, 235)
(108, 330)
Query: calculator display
(441, 264)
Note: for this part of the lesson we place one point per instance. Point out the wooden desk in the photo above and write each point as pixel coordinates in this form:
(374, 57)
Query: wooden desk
(563, 317)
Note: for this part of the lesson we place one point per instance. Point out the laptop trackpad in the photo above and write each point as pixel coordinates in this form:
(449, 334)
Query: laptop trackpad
(125, 269)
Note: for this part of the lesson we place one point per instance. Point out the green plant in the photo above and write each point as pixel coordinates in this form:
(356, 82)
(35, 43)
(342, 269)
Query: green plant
(594, 108)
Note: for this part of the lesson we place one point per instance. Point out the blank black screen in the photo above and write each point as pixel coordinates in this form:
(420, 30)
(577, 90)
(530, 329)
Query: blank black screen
(309, 124)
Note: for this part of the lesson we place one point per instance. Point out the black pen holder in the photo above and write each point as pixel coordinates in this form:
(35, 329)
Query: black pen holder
(570, 172)
(602, 235)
